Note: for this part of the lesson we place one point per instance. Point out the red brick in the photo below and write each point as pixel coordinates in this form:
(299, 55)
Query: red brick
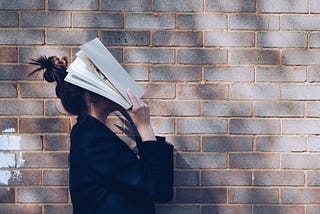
(21, 209)
(57, 209)
(45, 160)
(42, 195)
(8, 54)
(300, 196)
(44, 125)
(57, 143)
(26, 178)
(7, 195)
(37, 90)
(201, 195)
(56, 178)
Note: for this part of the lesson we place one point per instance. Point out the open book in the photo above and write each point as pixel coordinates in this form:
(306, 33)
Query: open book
(96, 70)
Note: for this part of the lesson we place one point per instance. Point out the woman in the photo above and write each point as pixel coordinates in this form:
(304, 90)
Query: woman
(106, 176)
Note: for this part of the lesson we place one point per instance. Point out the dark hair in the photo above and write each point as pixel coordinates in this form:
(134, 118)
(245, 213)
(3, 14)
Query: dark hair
(55, 70)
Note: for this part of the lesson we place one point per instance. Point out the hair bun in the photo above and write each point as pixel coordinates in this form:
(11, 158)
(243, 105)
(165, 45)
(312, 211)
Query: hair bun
(55, 69)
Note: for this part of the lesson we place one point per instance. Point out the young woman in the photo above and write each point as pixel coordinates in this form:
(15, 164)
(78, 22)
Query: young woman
(106, 176)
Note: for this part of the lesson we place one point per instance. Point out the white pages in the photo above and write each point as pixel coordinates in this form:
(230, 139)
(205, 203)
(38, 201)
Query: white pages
(96, 70)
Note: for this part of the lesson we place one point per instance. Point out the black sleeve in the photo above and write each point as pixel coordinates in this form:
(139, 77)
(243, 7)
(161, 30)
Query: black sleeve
(120, 170)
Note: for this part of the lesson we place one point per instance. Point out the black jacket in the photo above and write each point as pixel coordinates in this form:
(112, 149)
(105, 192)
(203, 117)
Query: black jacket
(107, 177)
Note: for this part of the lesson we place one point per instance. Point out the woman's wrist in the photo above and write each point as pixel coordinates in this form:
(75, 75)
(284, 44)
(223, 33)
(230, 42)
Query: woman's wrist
(146, 133)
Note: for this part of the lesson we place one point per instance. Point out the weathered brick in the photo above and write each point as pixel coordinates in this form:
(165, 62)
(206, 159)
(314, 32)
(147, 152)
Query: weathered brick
(201, 22)
(312, 209)
(178, 209)
(45, 19)
(54, 108)
(7, 160)
(255, 126)
(202, 56)
(155, 90)
(279, 109)
(201, 161)
(22, 5)
(254, 22)
(300, 22)
(314, 40)
(254, 91)
(226, 178)
(178, 5)
(125, 38)
(313, 73)
(241, 6)
(8, 125)
(254, 57)
(177, 38)
(26, 54)
(225, 209)
(280, 144)
(314, 6)
(301, 57)
(300, 196)
(174, 108)
(56, 177)
(282, 39)
(278, 209)
(56, 143)
(254, 161)
(176, 73)
(226, 108)
(21, 107)
(253, 195)
(22, 209)
(313, 178)
(301, 126)
(126, 5)
(7, 195)
(202, 91)
(8, 55)
(8, 90)
(313, 144)
(37, 90)
(138, 72)
(201, 126)
(56, 209)
(17, 72)
(73, 5)
(285, 6)
(98, 20)
(9, 19)
(186, 178)
(150, 21)
(25, 178)
(11, 142)
(227, 144)
(201, 195)
(229, 74)
(45, 160)
(70, 37)
(229, 39)
(185, 143)
(281, 74)
(155, 56)
(163, 125)
(21, 37)
(300, 92)
(300, 161)
(279, 178)
(44, 125)
(42, 195)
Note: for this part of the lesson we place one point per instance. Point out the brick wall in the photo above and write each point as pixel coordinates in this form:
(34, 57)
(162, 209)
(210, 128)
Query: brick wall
(233, 84)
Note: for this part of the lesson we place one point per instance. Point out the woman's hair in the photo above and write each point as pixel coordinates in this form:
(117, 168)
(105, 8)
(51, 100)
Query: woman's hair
(55, 70)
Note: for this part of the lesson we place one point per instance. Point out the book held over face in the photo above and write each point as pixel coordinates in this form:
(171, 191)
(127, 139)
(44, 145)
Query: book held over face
(96, 70)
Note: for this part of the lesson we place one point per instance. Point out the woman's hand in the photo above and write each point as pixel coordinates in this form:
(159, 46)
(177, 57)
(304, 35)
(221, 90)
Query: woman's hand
(140, 116)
